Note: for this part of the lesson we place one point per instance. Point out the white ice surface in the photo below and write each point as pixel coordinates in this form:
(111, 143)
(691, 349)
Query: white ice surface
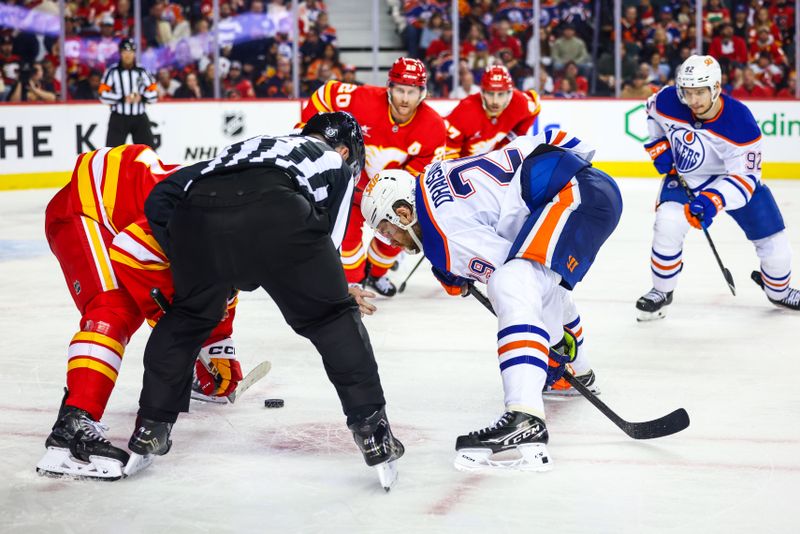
(731, 362)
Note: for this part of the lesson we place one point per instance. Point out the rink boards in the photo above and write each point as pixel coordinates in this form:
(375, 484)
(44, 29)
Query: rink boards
(39, 143)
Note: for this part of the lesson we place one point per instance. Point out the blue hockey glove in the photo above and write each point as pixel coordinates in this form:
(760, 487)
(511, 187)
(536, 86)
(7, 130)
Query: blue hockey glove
(564, 352)
(660, 152)
(452, 284)
(700, 212)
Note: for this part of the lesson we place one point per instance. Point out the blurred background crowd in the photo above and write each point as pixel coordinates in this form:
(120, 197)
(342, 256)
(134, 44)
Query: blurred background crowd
(752, 39)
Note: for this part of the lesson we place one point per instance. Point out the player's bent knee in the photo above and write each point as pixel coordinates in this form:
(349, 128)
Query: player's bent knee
(114, 311)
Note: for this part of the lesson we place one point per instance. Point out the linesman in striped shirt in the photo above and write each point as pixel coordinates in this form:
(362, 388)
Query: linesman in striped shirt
(127, 87)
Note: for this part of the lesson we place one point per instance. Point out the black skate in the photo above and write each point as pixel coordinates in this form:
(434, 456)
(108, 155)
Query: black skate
(791, 300)
(382, 285)
(516, 441)
(77, 447)
(653, 305)
(380, 448)
(150, 437)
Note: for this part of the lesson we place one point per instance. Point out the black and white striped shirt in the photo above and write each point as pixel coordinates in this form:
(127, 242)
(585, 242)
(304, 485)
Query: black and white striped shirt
(324, 177)
(119, 82)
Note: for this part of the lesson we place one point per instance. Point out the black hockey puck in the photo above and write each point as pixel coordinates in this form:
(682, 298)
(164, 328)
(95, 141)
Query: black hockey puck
(273, 403)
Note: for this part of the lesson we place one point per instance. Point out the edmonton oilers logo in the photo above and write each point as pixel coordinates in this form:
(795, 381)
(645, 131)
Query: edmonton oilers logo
(688, 149)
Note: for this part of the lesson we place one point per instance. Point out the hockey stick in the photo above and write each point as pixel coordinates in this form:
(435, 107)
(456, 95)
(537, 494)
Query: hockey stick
(725, 272)
(657, 428)
(256, 373)
(403, 285)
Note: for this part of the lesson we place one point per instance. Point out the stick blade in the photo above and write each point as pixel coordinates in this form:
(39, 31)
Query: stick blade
(257, 373)
(658, 428)
(729, 279)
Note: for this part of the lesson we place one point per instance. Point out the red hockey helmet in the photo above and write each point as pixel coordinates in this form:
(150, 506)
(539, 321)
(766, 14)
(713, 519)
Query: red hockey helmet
(408, 71)
(496, 78)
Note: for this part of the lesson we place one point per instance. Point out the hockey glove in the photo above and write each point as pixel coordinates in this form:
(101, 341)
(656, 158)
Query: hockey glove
(224, 372)
(561, 354)
(700, 212)
(660, 152)
(454, 285)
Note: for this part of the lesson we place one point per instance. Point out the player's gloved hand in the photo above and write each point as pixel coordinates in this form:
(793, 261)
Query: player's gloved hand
(454, 285)
(660, 152)
(224, 372)
(700, 212)
(561, 354)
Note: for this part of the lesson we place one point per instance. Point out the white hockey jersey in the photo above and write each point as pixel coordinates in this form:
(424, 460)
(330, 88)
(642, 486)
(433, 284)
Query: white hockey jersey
(471, 209)
(722, 154)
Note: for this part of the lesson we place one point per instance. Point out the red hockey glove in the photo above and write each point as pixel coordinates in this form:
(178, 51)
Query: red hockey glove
(225, 373)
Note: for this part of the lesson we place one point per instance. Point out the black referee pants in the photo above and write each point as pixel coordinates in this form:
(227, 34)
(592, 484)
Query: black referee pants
(138, 126)
(249, 230)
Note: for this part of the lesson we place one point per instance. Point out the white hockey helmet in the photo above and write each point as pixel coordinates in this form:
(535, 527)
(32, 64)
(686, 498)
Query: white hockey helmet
(382, 193)
(699, 71)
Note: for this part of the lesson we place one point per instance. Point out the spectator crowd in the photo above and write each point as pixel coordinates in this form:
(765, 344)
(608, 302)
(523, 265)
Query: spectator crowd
(752, 39)
(177, 42)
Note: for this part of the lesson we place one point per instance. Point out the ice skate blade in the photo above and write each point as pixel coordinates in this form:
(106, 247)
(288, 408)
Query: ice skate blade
(137, 463)
(196, 395)
(645, 316)
(387, 474)
(529, 457)
(58, 462)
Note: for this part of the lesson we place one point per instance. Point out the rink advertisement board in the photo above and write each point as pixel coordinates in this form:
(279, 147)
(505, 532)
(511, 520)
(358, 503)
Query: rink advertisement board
(39, 143)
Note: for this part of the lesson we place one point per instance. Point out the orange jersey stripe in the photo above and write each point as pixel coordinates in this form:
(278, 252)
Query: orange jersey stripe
(521, 344)
(743, 182)
(537, 250)
(666, 267)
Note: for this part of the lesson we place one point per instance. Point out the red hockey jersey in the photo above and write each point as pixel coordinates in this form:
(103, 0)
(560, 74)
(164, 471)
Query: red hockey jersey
(470, 131)
(110, 185)
(411, 145)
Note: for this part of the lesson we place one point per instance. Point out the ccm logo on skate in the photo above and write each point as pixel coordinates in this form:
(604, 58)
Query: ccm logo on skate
(222, 349)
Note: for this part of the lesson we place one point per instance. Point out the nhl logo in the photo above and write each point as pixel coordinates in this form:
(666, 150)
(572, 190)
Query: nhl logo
(233, 123)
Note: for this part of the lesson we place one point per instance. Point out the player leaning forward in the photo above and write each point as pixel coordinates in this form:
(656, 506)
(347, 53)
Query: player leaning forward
(713, 141)
(528, 220)
(267, 212)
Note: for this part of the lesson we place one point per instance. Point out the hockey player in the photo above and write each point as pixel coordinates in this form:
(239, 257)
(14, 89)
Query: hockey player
(111, 289)
(491, 119)
(527, 220)
(400, 132)
(712, 142)
(267, 212)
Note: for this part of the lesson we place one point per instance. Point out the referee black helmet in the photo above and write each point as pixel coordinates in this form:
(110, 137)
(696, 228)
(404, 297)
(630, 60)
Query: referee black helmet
(127, 44)
(340, 128)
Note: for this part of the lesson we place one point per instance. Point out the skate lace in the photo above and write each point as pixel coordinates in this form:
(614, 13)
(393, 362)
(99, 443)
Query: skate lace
(94, 429)
(655, 295)
(502, 421)
(793, 298)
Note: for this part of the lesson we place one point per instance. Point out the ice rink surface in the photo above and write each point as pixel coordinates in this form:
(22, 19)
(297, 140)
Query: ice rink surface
(732, 362)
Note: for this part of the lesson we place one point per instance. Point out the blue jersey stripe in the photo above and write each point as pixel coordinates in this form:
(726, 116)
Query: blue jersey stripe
(774, 278)
(530, 360)
(571, 143)
(738, 187)
(666, 258)
(574, 323)
(666, 275)
(520, 328)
